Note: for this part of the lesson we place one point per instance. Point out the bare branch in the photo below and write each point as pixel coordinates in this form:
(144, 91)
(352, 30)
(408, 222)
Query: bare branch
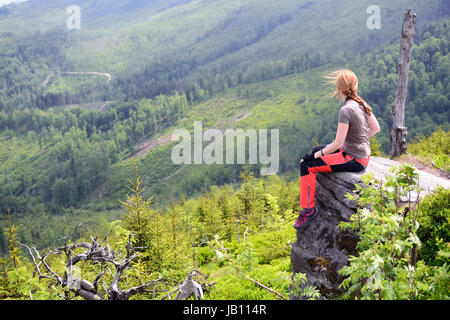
(264, 287)
(94, 252)
(190, 287)
(168, 294)
(128, 293)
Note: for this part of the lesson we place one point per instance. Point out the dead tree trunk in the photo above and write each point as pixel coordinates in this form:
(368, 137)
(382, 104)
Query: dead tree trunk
(399, 130)
(95, 253)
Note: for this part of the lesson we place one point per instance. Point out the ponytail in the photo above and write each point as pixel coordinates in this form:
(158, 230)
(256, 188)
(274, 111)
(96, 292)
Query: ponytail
(367, 108)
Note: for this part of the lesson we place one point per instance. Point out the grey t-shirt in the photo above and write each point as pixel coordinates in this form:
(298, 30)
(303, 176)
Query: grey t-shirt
(357, 142)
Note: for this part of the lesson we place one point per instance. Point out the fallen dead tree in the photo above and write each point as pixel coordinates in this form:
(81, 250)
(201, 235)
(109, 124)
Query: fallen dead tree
(110, 262)
(96, 253)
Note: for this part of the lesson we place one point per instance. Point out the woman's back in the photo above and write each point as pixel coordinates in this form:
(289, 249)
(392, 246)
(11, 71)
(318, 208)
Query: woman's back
(357, 142)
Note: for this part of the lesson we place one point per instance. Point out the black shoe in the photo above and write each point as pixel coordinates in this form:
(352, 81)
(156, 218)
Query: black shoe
(305, 217)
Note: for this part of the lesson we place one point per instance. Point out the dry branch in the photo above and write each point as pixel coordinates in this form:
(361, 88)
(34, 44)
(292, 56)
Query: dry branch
(264, 287)
(95, 253)
(190, 287)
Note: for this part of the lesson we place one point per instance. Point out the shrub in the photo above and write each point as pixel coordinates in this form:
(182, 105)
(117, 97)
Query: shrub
(434, 230)
(204, 255)
(386, 266)
(436, 147)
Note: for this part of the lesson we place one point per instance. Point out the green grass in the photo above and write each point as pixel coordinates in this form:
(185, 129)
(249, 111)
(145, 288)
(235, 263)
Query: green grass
(434, 148)
(19, 155)
(265, 258)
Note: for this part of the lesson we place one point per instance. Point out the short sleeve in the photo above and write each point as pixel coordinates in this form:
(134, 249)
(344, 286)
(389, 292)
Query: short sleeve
(344, 115)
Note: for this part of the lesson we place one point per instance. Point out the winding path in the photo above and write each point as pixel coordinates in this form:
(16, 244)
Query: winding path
(51, 73)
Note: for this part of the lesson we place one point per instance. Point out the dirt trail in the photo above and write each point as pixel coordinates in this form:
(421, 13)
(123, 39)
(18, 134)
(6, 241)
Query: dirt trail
(56, 61)
(145, 146)
(422, 166)
(149, 144)
(107, 75)
(51, 73)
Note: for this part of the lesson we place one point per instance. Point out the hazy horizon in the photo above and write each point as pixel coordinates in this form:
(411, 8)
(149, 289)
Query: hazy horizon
(5, 2)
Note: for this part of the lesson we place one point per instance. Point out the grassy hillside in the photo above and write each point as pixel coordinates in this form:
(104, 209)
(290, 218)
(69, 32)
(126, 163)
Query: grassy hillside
(202, 234)
(80, 108)
(291, 104)
(68, 147)
(300, 106)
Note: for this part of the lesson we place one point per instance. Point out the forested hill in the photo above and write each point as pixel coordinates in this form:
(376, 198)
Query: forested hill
(156, 47)
(68, 141)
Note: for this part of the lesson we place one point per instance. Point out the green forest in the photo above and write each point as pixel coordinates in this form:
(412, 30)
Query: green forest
(85, 158)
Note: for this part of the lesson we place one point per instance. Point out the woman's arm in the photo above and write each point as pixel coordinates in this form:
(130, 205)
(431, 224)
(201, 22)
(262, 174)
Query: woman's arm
(341, 133)
(338, 142)
(374, 127)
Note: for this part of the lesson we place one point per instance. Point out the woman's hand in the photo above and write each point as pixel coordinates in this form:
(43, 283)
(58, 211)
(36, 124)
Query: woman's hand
(309, 157)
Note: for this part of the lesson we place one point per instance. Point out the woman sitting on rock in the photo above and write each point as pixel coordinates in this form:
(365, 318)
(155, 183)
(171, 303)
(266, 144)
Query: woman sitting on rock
(350, 150)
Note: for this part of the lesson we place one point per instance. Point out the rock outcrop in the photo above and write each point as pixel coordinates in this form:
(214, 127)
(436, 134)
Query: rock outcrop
(322, 249)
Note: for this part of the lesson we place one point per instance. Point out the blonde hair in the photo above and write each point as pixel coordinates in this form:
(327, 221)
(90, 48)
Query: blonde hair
(346, 82)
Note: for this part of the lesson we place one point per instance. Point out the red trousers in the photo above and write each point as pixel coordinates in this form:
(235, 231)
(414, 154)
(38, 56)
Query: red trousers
(335, 162)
